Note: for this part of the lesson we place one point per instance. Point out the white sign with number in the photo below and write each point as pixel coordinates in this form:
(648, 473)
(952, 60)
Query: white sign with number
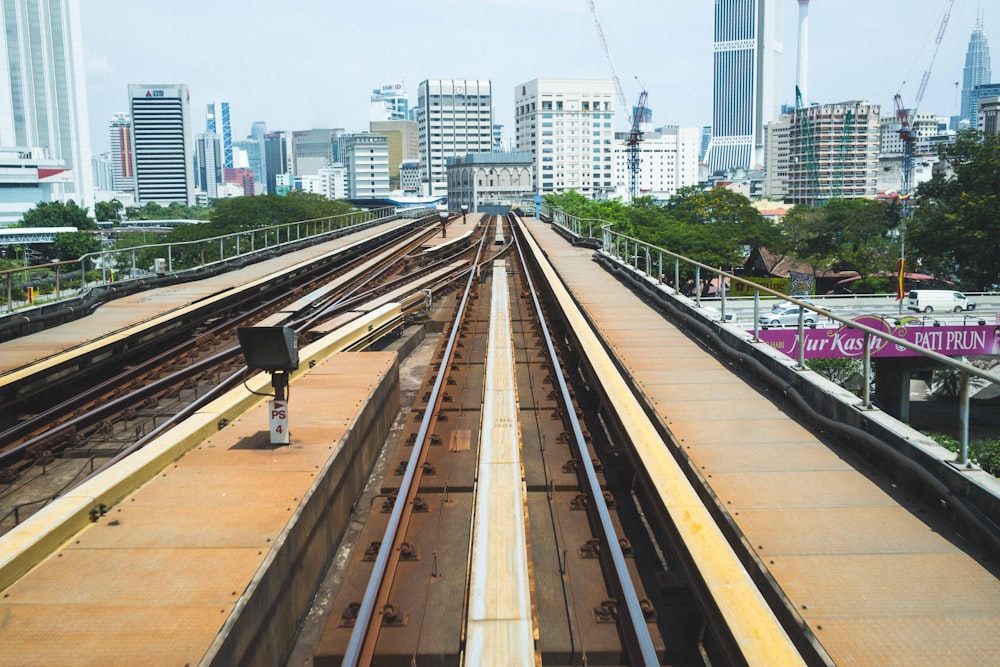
(279, 422)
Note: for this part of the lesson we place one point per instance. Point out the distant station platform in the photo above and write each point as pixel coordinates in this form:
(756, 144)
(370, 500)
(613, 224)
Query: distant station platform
(143, 306)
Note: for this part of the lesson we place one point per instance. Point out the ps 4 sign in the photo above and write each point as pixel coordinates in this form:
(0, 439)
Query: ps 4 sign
(845, 341)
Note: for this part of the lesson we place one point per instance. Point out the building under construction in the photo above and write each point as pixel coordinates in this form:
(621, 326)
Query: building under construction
(823, 152)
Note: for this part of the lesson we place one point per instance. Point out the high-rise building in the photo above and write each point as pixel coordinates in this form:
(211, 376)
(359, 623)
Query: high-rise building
(975, 73)
(988, 114)
(161, 143)
(249, 154)
(389, 102)
(208, 154)
(668, 161)
(568, 127)
(277, 157)
(404, 144)
(244, 178)
(43, 100)
(315, 149)
(217, 122)
(455, 118)
(824, 152)
(746, 82)
(367, 162)
(122, 168)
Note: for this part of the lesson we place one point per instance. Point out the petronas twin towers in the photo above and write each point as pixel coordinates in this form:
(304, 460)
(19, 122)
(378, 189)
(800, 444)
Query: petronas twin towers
(975, 73)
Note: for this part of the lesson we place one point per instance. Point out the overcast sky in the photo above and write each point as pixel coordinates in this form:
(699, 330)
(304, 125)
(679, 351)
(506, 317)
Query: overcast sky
(303, 64)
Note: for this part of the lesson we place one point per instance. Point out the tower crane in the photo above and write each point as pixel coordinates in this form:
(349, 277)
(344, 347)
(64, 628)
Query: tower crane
(636, 115)
(905, 117)
(908, 136)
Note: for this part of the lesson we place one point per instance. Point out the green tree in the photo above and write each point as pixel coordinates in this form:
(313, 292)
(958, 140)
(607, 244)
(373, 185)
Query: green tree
(107, 211)
(58, 214)
(955, 232)
(72, 245)
(845, 234)
(718, 226)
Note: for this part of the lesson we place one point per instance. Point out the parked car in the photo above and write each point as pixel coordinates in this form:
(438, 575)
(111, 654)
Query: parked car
(786, 313)
(929, 300)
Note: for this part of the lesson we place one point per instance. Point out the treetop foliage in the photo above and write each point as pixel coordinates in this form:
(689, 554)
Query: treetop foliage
(956, 226)
(58, 214)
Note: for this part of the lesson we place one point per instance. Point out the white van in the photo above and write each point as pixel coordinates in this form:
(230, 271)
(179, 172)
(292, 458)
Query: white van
(929, 300)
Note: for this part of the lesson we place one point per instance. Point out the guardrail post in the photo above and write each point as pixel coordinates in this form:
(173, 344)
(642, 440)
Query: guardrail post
(963, 418)
(170, 258)
(659, 273)
(677, 275)
(697, 286)
(756, 315)
(867, 360)
(722, 294)
(802, 339)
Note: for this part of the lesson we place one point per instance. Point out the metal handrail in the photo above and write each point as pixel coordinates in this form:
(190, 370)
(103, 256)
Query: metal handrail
(206, 252)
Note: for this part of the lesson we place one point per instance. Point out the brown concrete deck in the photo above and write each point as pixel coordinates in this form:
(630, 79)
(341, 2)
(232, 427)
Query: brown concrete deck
(218, 554)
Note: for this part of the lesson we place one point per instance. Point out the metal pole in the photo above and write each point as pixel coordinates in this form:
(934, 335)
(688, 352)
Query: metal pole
(756, 315)
(802, 339)
(697, 286)
(867, 358)
(963, 418)
(677, 275)
(722, 294)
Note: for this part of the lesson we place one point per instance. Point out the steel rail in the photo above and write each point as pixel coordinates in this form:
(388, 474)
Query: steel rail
(362, 639)
(638, 641)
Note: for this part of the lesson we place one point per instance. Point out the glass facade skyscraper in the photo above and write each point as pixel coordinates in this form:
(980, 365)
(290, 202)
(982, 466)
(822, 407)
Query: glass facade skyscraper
(746, 80)
(43, 99)
(975, 73)
(217, 122)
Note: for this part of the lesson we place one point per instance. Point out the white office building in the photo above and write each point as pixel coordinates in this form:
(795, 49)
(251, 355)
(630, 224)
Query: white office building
(668, 161)
(389, 102)
(162, 143)
(331, 182)
(567, 125)
(43, 100)
(367, 165)
(746, 82)
(455, 118)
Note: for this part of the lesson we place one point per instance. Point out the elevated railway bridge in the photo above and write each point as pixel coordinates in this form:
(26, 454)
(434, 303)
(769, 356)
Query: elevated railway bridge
(501, 452)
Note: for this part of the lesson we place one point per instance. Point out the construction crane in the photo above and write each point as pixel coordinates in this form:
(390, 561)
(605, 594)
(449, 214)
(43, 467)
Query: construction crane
(905, 117)
(838, 186)
(908, 135)
(807, 143)
(634, 137)
(634, 116)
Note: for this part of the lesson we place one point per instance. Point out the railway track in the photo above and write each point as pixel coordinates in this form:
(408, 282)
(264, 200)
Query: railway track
(496, 527)
(110, 414)
(515, 517)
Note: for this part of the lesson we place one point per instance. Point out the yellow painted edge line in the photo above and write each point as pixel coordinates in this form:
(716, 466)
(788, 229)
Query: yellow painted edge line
(756, 629)
(29, 543)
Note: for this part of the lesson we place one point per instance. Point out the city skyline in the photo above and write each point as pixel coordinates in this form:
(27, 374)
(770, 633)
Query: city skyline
(508, 42)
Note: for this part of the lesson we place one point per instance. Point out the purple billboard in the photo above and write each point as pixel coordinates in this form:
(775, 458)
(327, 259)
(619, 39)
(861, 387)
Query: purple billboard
(843, 341)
